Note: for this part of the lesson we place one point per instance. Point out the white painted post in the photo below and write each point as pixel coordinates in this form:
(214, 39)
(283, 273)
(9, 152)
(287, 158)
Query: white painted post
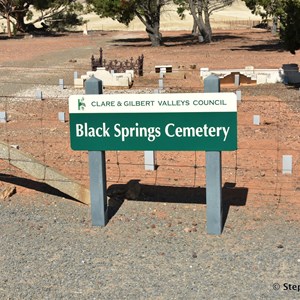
(149, 156)
(61, 84)
(75, 75)
(161, 84)
(61, 117)
(256, 120)
(239, 95)
(3, 117)
(236, 79)
(287, 164)
(39, 95)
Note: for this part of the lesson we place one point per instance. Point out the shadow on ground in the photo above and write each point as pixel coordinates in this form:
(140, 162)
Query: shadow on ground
(267, 47)
(171, 41)
(34, 185)
(134, 191)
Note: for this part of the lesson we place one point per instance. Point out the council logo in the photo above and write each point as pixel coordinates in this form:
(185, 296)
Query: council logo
(81, 104)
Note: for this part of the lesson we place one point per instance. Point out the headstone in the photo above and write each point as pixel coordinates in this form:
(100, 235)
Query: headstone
(256, 120)
(211, 83)
(93, 86)
(287, 164)
(3, 117)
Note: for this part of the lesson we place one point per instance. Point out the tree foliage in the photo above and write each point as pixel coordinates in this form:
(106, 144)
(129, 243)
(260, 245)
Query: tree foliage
(290, 25)
(49, 11)
(288, 14)
(148, 12)
(265, 8)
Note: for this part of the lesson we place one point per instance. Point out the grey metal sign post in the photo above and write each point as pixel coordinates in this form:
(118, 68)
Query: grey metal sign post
(214, 211)
(97, 169)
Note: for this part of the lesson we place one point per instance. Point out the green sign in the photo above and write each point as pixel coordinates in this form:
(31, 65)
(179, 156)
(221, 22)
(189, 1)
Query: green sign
(154, 122)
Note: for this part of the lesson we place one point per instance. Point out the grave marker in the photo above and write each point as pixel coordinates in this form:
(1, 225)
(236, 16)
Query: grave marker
(161, 83)
(149, 157)
(3, 117)
(287, 164)
(61, 84)
(61, 117)
(39, 95)
(256, 120)
(239, 95)
(237, 79)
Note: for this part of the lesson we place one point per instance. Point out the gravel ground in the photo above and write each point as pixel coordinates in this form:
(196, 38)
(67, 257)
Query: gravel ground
(148, 250)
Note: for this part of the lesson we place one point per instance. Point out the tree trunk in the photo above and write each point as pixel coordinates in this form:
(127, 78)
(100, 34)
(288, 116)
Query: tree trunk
(20, 24)
(207, 21)
(198, 19)
(151, 20)
(155, 36)
(8, 25)
(195, 28)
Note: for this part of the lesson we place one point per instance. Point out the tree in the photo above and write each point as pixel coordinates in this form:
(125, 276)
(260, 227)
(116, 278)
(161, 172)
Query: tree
(148, 12)
(288, 14)
(50, 10)
(6, 8)
(290, 25)
(201, 10)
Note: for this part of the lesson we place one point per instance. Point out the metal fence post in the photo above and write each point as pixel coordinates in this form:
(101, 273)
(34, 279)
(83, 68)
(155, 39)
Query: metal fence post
(97, 169)
(214, 210)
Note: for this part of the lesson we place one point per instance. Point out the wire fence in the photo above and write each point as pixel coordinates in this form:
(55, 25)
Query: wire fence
(234, 24)
(40, 129)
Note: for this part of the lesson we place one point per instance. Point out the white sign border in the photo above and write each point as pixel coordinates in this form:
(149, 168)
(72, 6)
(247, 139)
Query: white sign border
(152, 103)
